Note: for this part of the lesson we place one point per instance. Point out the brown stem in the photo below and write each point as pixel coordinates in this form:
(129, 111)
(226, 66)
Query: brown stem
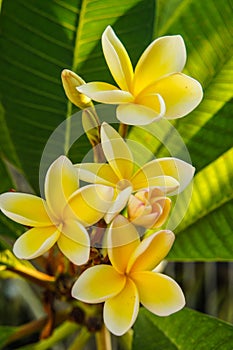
(123, 129)
(36, 326)
(49, 308)
(98, 154)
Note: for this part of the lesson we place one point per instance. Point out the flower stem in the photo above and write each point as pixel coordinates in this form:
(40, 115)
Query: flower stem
(80, 340)
(103, 339)
(123, 129)
(35, 276)
(36, 326)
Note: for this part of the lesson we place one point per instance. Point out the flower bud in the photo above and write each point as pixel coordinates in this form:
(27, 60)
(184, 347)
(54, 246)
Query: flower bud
(70, 81)
(91, 126)
(148, 208)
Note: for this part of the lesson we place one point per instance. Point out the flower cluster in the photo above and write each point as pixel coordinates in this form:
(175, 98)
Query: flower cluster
(125, 199)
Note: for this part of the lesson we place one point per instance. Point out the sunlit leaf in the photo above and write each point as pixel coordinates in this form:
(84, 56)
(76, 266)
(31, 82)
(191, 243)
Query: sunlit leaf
(41, 38)
(48, 37)
(185, 330)
(8, 260)
(206, 231)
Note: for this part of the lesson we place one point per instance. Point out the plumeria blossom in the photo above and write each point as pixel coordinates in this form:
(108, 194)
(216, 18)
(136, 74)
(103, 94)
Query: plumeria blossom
(61, 218)
(130, 279)
(148, 208)
(155, 89)
(170, 175)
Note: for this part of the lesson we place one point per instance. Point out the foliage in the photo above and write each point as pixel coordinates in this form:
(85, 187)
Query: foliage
(40, 38)
(187, 330)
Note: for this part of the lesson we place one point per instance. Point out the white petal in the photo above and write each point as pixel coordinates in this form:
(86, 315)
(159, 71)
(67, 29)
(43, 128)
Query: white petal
(60, 182)
(181, 94)
(89, 204)
(122, 240)
(151, 251)
(35, 242)
(117, 59)
(136, 114)
(175, 168)
(163, 56)
(118, 204)
(76, 252)
(26, 209)
(105, 93)
(120, 312)
(167, 184)
(97, 284)
(158, 293)
(116, 152)
(99, 173)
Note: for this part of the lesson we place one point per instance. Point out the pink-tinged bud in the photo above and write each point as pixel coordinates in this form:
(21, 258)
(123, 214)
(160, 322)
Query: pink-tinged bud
(148, 208)
(70, 82)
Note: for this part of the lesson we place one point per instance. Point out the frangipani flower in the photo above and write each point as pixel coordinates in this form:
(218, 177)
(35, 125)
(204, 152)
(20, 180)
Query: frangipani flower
(148, 208)
(60, 218)
(130, 280)
(171, 175)
(156, 87)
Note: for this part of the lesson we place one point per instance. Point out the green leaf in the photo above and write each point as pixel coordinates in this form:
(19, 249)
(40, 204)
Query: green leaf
(185, 330)
(61, 332)
(5, 333)
(9, 181)
(33, 99)
(37, 43)
(9, 260)
(206, 230)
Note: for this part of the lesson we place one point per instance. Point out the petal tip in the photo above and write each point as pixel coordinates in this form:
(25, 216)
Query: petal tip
(108, 29)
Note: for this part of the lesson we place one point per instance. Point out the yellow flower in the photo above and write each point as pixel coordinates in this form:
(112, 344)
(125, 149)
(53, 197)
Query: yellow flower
(130, 280)
(61, 218)
(171, 175)
(155, 89)
(148, 208)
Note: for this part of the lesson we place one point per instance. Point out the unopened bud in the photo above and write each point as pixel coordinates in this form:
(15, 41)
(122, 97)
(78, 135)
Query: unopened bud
(91, 125)
(70, 81)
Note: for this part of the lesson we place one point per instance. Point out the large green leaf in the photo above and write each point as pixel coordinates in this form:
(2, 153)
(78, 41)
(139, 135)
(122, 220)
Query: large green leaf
(51, 36)
(8, 228)
(185, 330)
(37, 43)
(206, 231)
(40, 38)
